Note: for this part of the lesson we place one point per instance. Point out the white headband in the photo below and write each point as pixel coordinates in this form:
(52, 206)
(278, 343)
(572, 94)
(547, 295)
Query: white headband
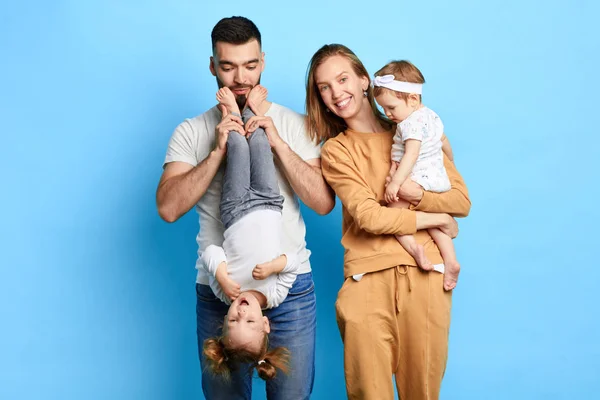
(389, 82)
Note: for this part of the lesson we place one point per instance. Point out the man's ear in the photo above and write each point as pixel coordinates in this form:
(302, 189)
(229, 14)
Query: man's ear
(262, 58)
(212, 66)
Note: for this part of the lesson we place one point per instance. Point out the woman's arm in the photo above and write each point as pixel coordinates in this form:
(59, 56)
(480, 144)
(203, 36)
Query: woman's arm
(361, 202)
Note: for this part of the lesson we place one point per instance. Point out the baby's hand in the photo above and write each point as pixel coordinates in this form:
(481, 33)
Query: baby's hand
(391, 192)
(264, 270)
(231, 289)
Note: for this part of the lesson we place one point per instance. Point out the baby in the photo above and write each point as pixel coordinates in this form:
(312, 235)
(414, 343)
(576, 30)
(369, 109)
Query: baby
(417, 153)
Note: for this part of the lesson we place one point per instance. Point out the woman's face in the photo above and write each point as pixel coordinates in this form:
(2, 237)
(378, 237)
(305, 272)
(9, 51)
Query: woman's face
(339, 86)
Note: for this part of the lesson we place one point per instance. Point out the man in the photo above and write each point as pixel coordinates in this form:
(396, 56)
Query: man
(192, 176)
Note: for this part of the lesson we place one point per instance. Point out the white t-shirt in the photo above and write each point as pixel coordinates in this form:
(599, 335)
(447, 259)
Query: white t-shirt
(192, 142)
(254, 239)
(425, 126)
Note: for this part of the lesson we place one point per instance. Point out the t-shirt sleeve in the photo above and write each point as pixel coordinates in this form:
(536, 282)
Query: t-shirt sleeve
(211, 257)
(183, 144)
(413, 128)
(306, 148)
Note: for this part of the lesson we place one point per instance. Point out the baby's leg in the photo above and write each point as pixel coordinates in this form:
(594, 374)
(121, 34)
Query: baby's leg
(415, 250)
(410, 244)
(256, 97)
(226, 97)
(451, 266)
(263, 176)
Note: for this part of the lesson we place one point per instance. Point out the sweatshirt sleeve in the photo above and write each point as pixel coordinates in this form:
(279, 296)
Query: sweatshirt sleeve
(454, 202)
(211, 257)
(359, 199)
(284, 282)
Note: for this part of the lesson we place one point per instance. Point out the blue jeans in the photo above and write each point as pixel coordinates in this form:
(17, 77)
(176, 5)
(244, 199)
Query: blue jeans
(250, 179)
(293, 325)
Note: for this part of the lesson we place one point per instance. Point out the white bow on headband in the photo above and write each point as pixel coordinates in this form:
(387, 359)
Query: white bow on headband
(389, 82)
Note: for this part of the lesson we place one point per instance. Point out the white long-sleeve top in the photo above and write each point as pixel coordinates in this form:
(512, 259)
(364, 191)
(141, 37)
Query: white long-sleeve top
(254, 239)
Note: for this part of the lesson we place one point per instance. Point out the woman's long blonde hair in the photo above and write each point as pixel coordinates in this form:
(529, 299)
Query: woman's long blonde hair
(321, 123)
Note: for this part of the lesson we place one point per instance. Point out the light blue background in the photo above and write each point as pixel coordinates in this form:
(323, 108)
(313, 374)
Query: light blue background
(97, 293)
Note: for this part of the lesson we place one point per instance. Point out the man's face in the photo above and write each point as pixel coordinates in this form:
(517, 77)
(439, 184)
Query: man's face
(238, 66)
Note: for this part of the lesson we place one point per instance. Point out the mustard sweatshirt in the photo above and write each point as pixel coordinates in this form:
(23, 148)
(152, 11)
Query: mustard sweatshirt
(355, 164)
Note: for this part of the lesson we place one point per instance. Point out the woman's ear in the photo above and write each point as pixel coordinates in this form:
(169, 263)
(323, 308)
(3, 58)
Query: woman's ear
(267, 325)
(364, 82)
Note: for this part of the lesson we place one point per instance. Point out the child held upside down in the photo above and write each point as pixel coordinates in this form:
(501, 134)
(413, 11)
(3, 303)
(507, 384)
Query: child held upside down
(248, 271)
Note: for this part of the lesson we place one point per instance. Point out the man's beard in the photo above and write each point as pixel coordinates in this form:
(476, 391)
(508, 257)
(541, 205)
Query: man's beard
(241, 99)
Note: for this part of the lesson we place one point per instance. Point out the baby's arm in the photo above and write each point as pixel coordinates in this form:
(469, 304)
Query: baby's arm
(215, 263)
(446, 148)
(412, 147)
(264, 270)
(285, 280)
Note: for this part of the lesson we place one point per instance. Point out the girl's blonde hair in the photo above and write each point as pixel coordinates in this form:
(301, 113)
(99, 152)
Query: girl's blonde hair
(402, 70)
(222, 359)
(321, 123)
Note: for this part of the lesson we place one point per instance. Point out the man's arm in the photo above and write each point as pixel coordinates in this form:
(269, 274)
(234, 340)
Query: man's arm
(455, 202)
(305, 177)
(182, 185)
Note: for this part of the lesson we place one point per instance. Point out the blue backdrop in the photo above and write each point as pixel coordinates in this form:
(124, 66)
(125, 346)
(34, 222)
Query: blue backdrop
(97, 294)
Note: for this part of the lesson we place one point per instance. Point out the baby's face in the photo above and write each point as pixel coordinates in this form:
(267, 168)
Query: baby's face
(394, 108)
(246, 326)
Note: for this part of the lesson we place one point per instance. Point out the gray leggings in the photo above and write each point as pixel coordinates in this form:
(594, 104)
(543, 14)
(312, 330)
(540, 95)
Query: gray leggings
(250, 181)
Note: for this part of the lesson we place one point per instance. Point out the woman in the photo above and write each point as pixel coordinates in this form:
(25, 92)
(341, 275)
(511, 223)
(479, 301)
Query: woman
(393, 317)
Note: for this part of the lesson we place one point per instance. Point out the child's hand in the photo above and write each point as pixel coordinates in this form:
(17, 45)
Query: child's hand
(231, 289)
(391, 192)
(264, 270)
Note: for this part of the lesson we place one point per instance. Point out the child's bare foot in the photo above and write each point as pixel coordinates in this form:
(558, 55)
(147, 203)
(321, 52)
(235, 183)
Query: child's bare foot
(226, 97)
(257, 95)
(264, 270)
(451, 271)
(418, 253)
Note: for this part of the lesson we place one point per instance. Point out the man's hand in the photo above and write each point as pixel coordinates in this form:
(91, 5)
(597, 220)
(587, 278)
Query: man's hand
(267, 124)
(229, 286)
(229, 122)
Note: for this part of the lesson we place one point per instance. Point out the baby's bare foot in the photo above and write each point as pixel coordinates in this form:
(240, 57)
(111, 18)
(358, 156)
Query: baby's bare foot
(421, 259)
(256, 97)
(451, 271)
(226, 97)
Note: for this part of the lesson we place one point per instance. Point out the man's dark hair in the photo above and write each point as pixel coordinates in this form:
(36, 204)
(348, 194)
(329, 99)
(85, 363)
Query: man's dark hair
(234, 30)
